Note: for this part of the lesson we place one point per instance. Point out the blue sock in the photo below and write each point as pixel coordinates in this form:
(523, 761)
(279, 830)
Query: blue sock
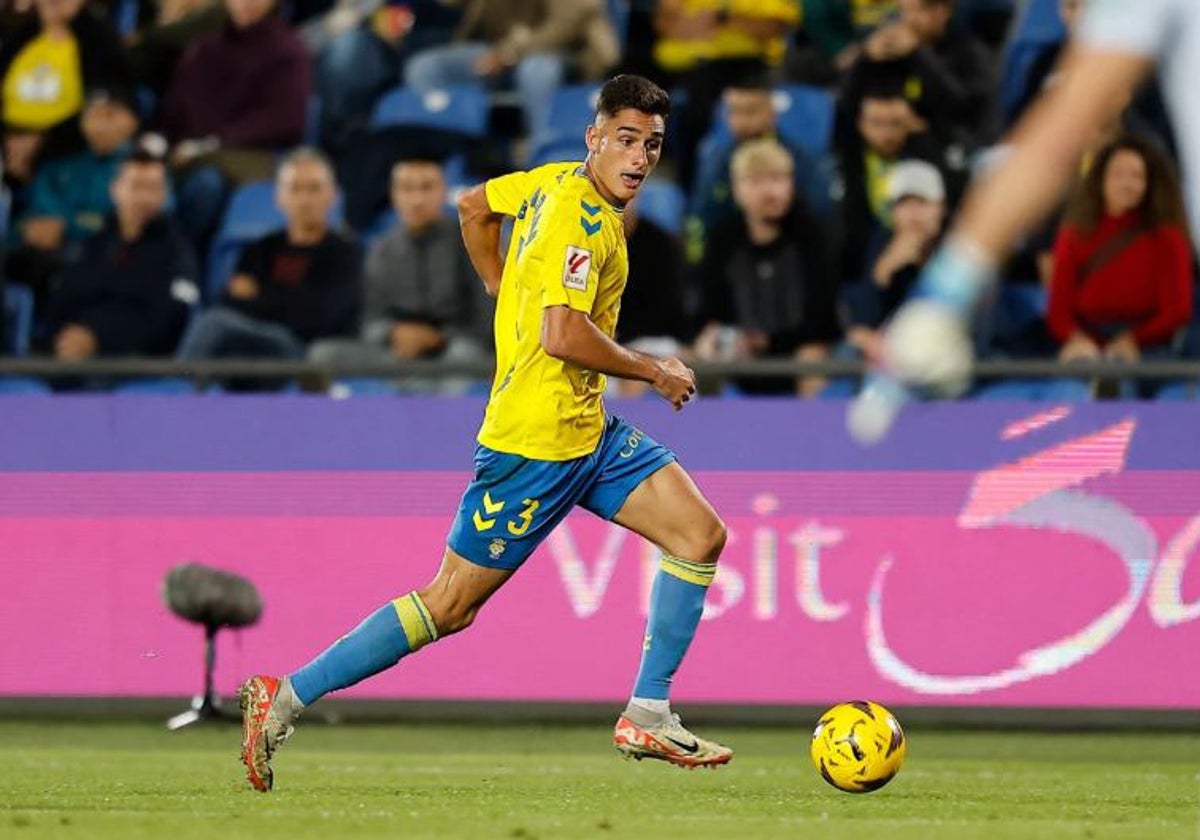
(384, 637)
(676, 602)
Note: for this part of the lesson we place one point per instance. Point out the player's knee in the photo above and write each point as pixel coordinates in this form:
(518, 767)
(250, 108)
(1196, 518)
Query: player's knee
(450, 615)
(708, 541)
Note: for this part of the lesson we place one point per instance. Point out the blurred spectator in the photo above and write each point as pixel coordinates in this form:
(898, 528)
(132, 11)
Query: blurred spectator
(45, 67)
(360, 47)
(291, 287)
(1122, 283)
(749, 115)
(706, 46)
(885, 134)
(653, 315)
(70, 197)
(131, 292)
(917, 197)
(838, 27)
(155, 49)
(423, 298)
(532, 45)
(239, 96)
(766, 285)
(947, 77)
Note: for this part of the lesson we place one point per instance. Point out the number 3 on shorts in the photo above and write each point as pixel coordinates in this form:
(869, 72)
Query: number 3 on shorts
(525, 517)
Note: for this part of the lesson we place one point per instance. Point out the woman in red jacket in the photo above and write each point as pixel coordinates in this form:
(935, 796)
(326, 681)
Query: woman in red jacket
(1122, 282)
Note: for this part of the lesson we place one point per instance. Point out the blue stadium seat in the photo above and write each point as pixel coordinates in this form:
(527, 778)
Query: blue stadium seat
(663, 203)
(15, 386)
(18, 319)
(805, 117)
(1036, 27)
(1183, 390)
(312, 121)
(557, 149)
(155, 386)
(572, 110)
(1037, 390)
(251, 215)
(618, 13)
(462, 109)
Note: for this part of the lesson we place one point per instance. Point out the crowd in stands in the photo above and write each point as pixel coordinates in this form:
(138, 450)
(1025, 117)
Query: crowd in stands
(275, 178)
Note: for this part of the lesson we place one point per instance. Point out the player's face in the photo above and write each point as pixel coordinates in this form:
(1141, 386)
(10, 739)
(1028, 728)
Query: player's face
(305, 193)
(749, 113)
(623, 150)
(418, 194)
(1124, 182)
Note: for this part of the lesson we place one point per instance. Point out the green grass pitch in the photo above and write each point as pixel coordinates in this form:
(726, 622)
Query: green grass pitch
(402, 782)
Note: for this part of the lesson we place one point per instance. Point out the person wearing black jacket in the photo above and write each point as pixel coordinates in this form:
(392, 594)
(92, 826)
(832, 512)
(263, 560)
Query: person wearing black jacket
(948, 77)
(884, 135)
(130, 293)
(767, 288)
(290, 287)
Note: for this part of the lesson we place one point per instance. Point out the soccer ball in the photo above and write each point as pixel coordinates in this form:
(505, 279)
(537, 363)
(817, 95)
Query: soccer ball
(858, 747)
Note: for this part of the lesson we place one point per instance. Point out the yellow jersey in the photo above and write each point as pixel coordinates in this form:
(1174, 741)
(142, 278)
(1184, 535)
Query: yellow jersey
(44, 83)
(568, 249)
(677, 55)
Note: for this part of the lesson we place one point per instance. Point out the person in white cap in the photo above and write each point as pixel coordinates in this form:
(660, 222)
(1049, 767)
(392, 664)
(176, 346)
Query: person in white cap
(917, 203)
(1116, 47)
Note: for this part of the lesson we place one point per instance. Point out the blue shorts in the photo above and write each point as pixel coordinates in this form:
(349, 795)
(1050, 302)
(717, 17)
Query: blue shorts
(513, 503)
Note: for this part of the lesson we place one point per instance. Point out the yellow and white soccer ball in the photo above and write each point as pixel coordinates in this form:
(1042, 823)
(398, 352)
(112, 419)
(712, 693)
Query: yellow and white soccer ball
(858, 747)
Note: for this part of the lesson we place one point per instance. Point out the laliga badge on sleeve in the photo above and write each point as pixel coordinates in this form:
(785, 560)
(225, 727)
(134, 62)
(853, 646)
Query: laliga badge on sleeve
(576, 268)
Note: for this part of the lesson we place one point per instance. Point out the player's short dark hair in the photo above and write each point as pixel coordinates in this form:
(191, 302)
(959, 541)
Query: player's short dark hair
(636, 92)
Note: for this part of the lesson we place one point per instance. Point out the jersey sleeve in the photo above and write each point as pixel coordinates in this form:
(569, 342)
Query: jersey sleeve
(506, 193)
(1141, 27)
(569, 251)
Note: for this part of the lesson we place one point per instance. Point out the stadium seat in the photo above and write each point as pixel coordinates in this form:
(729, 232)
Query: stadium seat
(1178, 391)
(251, 214)
(463, 109)
(618, 13)
(16, 386)
(18, 319)
(571, 111)
(155, 385)
(1037, 26)
(1036, 390)
(663, 203)
(805, 117)
(557, 149)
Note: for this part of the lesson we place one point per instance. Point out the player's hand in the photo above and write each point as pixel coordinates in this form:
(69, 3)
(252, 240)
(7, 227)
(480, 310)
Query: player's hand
(675, 383)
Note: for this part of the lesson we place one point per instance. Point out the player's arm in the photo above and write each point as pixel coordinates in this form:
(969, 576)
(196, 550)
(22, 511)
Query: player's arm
(481, 236)
(481, 210)
(1046, 148)
(569, 334)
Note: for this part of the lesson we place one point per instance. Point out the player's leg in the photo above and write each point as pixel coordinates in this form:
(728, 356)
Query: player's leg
(510, 506)
(448, 604)
(641, 487)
